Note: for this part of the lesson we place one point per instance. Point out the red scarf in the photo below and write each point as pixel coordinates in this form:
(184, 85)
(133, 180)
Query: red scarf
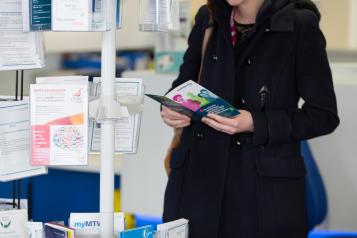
(234, 32)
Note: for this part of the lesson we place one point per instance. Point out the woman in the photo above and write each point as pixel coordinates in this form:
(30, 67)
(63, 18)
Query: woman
(244, 177)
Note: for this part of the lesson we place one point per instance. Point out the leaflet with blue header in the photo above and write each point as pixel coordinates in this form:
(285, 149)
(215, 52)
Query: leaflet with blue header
(141, 232)
(36, 15)
(195, 101)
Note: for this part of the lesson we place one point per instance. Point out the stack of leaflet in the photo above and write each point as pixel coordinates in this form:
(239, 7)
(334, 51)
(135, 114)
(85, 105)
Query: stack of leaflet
(140, 232)
(13, 224)
(54, 230)
(79, 15)
(174, 229)
(59, 121)
(88, 224)
(130, 93)
(18, 50)
(15, 141)
(35, 230)
(36, 15)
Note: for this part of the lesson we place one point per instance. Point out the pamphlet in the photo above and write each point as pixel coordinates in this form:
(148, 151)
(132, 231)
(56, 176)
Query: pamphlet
(89, 223)
(18, 50)
(36, 15)
(54, 230)
(174, 229)
(10, 15)
(59, 124)
(63, 80)
(13, 224)
(71, 15)
(21, 51)
(35, 229)
(79, 15)
(15, 141)
(195, 101)
(119, 16)
(140, 232)
(126, 128)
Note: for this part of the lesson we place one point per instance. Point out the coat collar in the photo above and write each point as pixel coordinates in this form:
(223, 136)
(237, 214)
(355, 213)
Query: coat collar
(279, 12)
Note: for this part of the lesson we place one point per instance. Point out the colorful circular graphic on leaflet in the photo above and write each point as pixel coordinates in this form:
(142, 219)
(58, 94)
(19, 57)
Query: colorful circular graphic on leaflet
(68, 138)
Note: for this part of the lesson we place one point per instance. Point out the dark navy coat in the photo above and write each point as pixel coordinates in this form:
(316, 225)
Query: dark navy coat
(286, 52)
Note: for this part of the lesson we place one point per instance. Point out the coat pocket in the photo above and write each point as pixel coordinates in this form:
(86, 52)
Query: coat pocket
(281, 195)
(173, 191)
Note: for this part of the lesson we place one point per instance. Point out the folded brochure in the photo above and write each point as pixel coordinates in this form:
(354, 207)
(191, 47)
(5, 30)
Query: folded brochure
(195, 101)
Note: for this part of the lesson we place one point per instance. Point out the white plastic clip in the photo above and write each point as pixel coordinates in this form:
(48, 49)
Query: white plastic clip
(105, 108)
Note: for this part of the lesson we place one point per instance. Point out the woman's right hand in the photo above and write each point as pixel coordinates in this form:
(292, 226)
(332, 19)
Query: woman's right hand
(174, 119)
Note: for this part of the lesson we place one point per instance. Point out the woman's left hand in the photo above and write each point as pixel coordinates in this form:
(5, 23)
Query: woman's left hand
(241, 123)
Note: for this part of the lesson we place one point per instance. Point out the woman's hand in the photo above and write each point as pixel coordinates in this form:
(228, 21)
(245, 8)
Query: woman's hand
(174, 119)
(241, 123)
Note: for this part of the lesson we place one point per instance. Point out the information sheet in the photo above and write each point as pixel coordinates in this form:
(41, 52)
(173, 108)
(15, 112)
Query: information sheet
(127, 128)
(71, 15)
(15, 141)
(20, 50)
(59, 124)
(35, 229)
(13, 224)
(10, 15)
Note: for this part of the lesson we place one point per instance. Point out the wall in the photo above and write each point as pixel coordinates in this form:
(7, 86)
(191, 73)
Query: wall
(335, 22)
(336, 154)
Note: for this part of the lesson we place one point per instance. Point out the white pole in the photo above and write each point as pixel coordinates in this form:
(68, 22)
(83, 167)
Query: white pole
(107, 126)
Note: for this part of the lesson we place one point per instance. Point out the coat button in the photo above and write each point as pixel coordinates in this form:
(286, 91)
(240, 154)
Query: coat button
(199, 135)
(215, 57)
(243, 101)
(238, 143)
(267, 29)
(249, 61)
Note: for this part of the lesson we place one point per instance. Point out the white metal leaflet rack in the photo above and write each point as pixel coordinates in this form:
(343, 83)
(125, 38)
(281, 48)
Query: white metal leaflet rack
(107, 125)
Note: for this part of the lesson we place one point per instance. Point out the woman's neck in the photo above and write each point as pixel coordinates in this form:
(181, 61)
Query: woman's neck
(246, 12)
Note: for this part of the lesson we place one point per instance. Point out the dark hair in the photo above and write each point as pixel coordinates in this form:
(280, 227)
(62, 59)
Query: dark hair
(210, 5)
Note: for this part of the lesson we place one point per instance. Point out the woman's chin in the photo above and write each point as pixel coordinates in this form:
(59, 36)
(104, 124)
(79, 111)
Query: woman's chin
(234, 3)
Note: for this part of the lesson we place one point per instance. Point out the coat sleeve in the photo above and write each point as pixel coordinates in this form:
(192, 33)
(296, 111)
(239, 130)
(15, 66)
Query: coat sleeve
(190, 67)
(318, 115)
